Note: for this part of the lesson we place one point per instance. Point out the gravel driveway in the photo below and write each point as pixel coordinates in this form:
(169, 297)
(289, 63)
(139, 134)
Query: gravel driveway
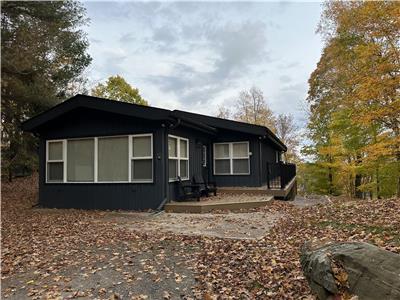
(118, 273)
(231, 225)
(251, 225)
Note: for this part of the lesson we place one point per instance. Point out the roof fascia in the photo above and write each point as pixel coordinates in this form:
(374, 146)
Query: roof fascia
(97, 104)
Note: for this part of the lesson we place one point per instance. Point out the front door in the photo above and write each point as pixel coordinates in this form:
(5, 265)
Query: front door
(201, 162)
(205, 163)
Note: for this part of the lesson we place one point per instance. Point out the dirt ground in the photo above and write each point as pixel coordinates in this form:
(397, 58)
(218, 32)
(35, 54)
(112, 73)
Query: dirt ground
(310, 200)
(161, 272)
(68, 254)
(231, 225)
(250, 225)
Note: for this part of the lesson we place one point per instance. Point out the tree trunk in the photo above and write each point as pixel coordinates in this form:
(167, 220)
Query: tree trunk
(398, 174)
(358, 180)
(378, 184)
(396, 130)
(330, 177)
(330, 180)
(357, 183)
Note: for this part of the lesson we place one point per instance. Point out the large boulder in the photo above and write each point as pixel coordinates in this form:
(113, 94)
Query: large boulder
(351, 269)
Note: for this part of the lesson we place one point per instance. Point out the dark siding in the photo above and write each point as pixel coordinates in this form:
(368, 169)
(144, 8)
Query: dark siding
(84, 123)
(268, 154)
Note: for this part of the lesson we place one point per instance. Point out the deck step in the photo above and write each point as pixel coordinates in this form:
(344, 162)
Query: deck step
(244, 190)
(210, 205)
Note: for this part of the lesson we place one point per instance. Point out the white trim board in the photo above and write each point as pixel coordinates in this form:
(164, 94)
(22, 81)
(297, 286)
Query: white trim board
(231, 158)
(178, 157)
(95, 162)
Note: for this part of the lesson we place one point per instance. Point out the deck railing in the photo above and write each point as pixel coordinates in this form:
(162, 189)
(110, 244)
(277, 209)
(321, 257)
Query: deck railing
(279, 174)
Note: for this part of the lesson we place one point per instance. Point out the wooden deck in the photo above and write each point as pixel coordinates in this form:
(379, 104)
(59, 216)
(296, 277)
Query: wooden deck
(230, 203)
(262, 190)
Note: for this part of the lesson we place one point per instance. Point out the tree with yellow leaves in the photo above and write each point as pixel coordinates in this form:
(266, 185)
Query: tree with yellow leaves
(354, 98)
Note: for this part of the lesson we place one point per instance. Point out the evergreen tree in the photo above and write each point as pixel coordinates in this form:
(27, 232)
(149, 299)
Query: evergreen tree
(43, 53)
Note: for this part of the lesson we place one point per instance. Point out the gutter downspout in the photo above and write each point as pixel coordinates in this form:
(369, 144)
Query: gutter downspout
(161, 206)
(260, 164)
(164, 147)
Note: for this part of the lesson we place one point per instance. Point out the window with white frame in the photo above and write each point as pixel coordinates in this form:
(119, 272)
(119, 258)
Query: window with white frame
(80, 160)
(232, 158)
(113, 159)
(178, 158)
(55, 161)
(142, 158)
(101, 159)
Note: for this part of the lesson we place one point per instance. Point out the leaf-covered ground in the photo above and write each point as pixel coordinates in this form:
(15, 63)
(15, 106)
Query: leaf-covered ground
(72, 253)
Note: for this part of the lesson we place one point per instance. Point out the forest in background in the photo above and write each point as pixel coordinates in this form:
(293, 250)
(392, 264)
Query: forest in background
(353, 99)
(353, 130)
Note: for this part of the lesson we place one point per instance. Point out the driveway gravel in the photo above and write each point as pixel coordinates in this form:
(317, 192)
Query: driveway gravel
(251, 225)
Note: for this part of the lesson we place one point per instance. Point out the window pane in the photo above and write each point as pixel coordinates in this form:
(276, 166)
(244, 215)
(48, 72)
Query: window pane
(80, 160)
(55, 171)
(222, 166)
(183, 145)
(55, 150)
(184, 169)
(221, 150)
(240, 150)
(142, 169)
(113, 159)
(173, 168)
(172, 149)
(204, 156)
(240, 166)
(141, 146)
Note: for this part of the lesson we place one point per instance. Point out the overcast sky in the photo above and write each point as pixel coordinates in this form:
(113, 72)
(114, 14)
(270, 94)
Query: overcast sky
(196, 56)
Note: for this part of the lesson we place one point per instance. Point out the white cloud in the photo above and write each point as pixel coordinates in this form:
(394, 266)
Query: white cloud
(195, 55)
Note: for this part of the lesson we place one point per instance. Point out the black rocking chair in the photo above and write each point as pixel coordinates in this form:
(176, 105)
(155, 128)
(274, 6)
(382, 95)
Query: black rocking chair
(188, 190)
(205, 187)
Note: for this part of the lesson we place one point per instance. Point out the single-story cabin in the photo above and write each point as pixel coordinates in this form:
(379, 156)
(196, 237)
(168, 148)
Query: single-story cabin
(103, 154)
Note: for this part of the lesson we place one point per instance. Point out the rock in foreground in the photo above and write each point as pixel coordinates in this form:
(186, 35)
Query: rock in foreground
(344, 270)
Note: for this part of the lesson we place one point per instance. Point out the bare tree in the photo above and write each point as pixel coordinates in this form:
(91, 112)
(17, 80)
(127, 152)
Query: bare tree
(287, 131)
(224, 113)
(252, 108)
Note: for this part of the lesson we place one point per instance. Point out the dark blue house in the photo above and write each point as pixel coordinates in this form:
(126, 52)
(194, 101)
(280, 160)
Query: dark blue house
(102, 154)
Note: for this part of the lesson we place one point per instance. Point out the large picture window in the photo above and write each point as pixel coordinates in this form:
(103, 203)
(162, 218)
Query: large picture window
(113, 159)
(178, 158)
(231, 158)
(80, 160)
(100, 159)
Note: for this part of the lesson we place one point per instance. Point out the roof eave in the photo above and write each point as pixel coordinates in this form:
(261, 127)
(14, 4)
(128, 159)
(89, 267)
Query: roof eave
(92, 103)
